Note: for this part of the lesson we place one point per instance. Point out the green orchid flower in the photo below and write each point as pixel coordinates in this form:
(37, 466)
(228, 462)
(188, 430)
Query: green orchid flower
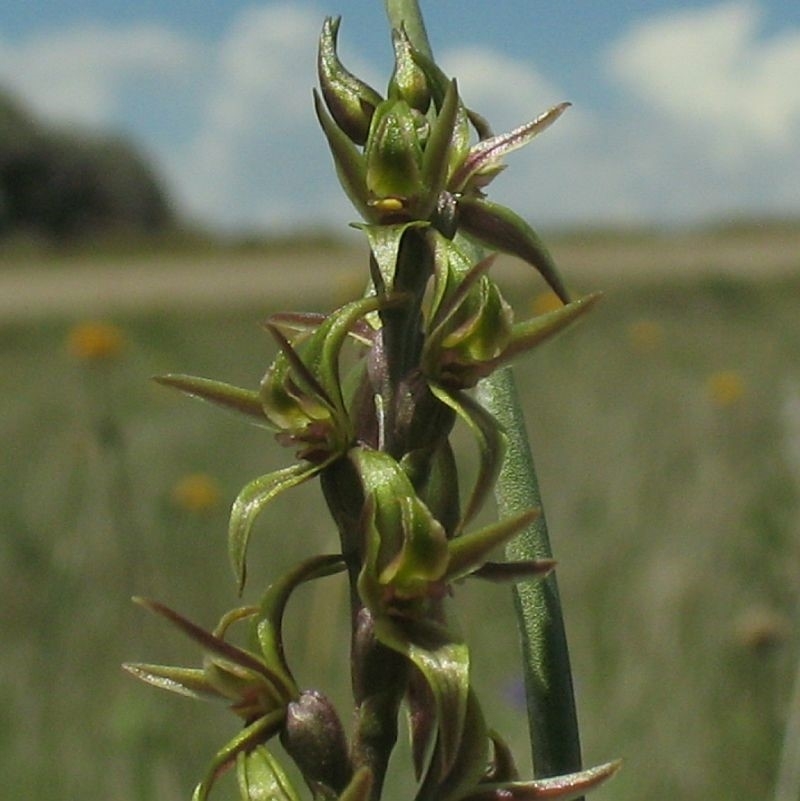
(416, 161)
(407, 557)
(301, 400)
(470, 328)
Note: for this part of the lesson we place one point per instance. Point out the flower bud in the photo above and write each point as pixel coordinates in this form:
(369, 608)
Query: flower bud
(314, 737)
(350, 101)
(408, 81)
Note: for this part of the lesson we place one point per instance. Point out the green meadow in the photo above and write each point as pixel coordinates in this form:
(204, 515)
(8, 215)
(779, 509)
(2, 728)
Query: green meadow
(666, 431)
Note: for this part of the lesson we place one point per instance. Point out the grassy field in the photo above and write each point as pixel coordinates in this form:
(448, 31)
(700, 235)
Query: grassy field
(666, 430)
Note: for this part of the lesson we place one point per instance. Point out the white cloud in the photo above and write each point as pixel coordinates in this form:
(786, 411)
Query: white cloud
(506, 91)
(706, 118)
(706, 122)
(248, 162)
(707, 70)
(709, 114)
(77, 75)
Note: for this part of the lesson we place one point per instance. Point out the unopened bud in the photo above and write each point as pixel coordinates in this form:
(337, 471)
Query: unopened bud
(408, 81)
(350, 101)
(314, 737)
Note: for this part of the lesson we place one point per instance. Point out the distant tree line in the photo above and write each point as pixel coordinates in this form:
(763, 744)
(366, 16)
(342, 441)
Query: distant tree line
(63, 185)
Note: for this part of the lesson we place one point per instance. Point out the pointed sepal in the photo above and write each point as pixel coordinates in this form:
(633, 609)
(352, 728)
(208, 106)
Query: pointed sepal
(527, 335)
(499, 228)
(347, 158)
(568, 787)
(233, 399)
(191, 682)
(470, 551)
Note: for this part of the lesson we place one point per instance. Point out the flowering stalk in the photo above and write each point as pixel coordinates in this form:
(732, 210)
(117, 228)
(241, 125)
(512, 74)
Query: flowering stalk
(432, 327)
(552, 716)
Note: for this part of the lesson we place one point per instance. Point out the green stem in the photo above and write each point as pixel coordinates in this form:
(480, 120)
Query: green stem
(548, 679)
(788, 784)
(406, 13)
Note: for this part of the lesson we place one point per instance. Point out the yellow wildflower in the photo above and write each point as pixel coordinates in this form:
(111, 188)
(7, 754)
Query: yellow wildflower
(196, 493)
(760, 628)
(645, 335)
(95, 341)
(725, 388)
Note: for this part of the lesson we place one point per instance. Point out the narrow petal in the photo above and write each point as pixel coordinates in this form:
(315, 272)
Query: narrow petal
(334, 334)
(302, 374)
(316, 369)
(190, 682)
(447, 307)
(488, 152)
(491, 445)
(515, 571)
(469, 551)
(297, 322)
(206, 639)
(251, 502)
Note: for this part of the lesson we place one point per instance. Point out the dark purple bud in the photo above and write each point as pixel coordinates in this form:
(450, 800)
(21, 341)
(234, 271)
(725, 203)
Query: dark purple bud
(314, 737)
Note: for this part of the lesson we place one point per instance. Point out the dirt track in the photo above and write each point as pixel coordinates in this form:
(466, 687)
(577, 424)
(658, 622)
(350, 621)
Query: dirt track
(32, 292)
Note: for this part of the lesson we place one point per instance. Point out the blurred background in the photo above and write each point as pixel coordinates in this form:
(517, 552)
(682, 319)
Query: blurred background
(164, 188)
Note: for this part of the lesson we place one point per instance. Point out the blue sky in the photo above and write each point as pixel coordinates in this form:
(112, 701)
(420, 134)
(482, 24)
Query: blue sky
(683, 112)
